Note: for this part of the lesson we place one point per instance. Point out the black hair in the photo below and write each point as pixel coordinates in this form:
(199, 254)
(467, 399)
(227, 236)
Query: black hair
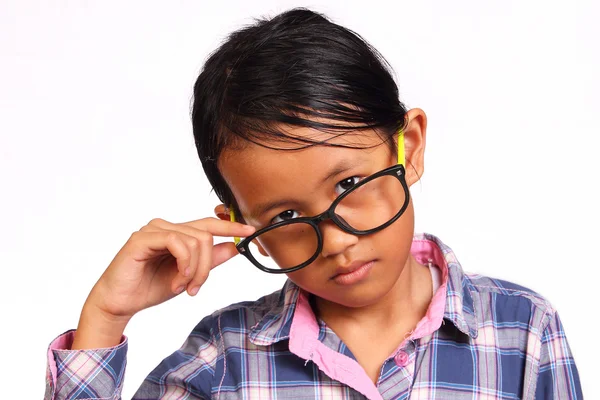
(296, 69)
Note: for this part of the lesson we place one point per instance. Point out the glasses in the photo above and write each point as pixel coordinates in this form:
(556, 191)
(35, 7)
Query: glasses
(366, 207)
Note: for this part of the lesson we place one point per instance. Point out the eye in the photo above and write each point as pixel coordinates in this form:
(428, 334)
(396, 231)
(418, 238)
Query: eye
(346, 184)
(285, 216)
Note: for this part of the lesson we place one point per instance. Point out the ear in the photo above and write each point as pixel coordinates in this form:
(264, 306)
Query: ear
(222, 212)
(414, 145)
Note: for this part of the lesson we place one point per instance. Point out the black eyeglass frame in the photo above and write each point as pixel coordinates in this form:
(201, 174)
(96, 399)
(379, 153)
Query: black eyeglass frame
(397, 171)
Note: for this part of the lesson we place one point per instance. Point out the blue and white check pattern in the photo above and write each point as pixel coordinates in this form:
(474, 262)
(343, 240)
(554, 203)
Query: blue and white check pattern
(498, 340)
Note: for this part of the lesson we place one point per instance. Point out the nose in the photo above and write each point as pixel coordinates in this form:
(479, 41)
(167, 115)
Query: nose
(335, 240)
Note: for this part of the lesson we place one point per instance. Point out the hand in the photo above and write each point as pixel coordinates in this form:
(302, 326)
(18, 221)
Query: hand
(160, 261)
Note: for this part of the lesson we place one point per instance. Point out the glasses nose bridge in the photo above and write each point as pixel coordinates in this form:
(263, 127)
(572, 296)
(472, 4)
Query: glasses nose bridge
(324, 216)
(329, 215)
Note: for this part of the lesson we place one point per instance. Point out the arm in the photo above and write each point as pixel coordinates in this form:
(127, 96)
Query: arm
(557, 376)
(157, 263)
(97, 374)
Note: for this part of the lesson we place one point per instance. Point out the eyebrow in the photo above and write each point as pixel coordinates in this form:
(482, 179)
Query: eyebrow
(342, 166)
(264, 208)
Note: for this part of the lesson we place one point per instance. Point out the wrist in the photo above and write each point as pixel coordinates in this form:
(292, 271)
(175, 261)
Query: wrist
(97, 329)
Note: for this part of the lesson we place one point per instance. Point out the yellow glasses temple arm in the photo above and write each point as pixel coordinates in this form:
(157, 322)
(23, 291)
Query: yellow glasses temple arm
(401, 159)
(236, 239)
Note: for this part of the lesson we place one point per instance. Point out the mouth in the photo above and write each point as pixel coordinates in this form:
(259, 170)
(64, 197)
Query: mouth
(352, 273)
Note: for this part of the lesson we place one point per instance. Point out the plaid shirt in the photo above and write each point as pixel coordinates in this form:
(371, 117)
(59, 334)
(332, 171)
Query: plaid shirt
(482, 338)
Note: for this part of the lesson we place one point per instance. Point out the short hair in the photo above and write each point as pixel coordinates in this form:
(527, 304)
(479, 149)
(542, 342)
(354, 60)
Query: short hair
(295, 69)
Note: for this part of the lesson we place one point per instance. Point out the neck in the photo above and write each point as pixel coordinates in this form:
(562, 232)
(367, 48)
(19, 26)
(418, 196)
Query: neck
(404, 303)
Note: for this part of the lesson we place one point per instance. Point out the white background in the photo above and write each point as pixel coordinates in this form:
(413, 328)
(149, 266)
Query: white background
(95, 140)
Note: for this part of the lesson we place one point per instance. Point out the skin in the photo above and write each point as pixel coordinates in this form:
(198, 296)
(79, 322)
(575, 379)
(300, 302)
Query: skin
(386, 305)
(163, 259)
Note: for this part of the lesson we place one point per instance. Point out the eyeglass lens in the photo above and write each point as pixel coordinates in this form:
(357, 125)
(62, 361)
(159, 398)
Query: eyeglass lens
(366, 207)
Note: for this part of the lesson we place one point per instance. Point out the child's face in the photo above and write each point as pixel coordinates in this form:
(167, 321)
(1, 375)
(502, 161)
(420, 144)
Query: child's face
(258, 175)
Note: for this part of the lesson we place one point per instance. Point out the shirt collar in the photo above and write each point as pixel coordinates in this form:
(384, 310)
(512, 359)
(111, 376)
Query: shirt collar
(459, 309)
(276, 323)
(460, 305)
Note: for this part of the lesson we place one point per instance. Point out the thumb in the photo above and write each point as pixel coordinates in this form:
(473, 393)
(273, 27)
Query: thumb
(223, 252)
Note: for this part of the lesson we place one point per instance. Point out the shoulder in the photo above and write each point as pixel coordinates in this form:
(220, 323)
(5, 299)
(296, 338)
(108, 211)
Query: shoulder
(505, 302)
(240, 317)
(195, 362)
(205, 342)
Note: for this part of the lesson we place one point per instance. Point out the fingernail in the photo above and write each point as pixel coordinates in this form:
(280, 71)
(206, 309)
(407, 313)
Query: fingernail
(194, 291)
(180, 289)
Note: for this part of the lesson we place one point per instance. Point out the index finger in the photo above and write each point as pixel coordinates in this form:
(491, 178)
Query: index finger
(219, 227)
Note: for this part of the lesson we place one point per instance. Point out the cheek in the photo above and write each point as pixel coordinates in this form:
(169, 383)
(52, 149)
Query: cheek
(314, 279)
(308, 276)
(395, 241)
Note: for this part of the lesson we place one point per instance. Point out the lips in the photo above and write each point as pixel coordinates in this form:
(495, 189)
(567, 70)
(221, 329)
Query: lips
(349, 268)
(353, 273)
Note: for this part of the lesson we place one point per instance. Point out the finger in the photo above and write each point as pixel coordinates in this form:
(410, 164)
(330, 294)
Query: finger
(196, 253)
(214, 226)
(193, 245)
(184, 264)
(204, 264)
(220, 253)
(147, 245)
(196, 248)
(223, 252)
(218, 227)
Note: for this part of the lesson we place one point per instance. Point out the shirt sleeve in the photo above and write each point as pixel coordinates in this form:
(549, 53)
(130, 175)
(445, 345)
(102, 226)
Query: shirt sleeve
(557, 376)
(84, 374)
(97, 374)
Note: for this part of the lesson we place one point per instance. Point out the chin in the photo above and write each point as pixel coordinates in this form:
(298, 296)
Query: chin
(357, 296)
(364, 298)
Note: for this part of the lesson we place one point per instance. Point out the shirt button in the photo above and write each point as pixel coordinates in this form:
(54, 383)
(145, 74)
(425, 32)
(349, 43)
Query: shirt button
(401, 359)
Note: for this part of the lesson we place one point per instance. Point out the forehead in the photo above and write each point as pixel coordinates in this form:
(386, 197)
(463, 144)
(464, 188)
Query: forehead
(257, 174)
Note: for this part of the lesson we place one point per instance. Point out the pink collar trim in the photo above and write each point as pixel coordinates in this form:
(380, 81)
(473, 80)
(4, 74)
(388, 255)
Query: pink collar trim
(304, 331)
